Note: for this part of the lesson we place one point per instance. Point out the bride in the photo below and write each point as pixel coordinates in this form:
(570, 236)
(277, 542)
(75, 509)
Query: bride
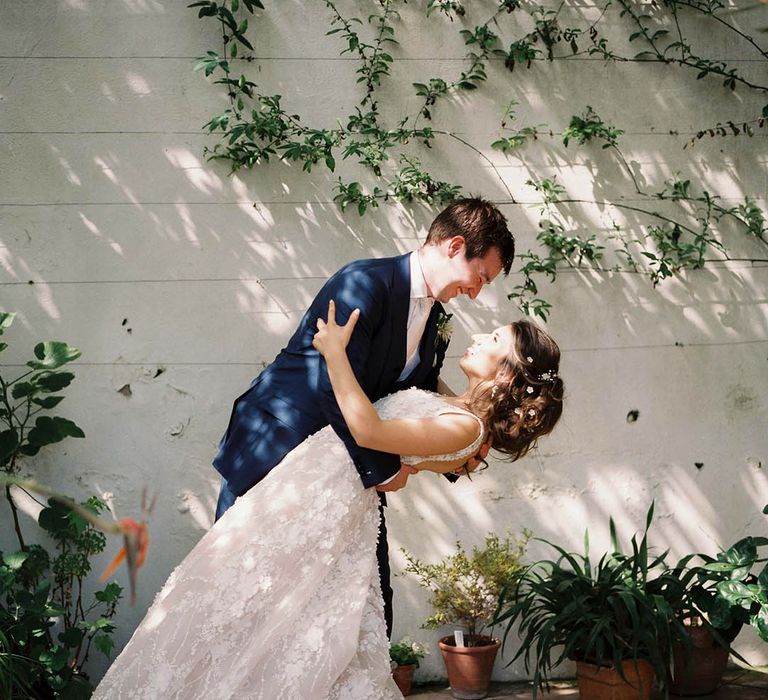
(281, 598)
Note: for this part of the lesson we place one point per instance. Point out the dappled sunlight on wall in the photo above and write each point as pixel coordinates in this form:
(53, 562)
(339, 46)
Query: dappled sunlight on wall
(179, 280)
(193, 168)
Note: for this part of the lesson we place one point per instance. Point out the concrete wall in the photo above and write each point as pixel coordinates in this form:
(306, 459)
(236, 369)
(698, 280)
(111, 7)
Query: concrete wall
(179, 282)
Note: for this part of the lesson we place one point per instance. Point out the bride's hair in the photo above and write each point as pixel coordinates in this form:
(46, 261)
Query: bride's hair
(525, 400)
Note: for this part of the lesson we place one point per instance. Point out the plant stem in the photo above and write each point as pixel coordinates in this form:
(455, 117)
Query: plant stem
(16, 524)
(715, 17)
(484, 157)
(108, 526)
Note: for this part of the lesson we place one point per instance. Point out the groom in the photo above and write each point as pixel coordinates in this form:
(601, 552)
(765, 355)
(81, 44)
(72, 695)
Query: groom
(396, 344)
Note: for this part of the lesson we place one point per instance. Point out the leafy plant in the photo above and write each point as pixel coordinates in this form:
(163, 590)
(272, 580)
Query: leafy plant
(407, 653)
(731, 589)
(28, 396)
(256, 129)
(465, 587)
(602, 612)
(48, 623)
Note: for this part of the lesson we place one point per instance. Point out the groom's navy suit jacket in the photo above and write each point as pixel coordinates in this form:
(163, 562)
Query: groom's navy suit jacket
(292, 398)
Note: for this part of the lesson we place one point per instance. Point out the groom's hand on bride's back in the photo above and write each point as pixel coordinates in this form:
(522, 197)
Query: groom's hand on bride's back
(398, 481)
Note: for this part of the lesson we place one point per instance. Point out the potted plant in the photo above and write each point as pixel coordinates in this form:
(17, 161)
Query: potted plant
(721, 595)
(609, 616)
(465, 588)
(404, 657)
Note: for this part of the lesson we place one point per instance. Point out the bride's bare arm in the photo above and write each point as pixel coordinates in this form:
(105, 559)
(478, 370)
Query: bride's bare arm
(405, 436)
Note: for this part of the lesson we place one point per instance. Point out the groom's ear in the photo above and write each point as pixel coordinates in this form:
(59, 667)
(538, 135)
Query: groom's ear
(456, 245)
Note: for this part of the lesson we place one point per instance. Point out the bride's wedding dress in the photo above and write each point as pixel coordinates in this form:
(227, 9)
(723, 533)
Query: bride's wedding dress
(281, 598)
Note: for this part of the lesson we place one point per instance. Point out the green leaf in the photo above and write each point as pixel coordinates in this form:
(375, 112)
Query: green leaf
(28, 450)
(6, 318)
(760, 623)
(48, 402)
(23, 389)
(9, 441)
(72, 637)
(765, 114)
(719, 613)
(762, 582)
(649, 515)
(3, 346)
(104, 644)
(720, 567)
(54, 659)
(52, 354)
(54, 519)
(111, 593)
(55, 381)
(48, 430)
(101, 623)
(15, 560)
(735, 592)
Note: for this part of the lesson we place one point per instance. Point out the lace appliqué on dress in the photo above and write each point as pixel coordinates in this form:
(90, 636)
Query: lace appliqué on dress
(432, 405)
(280, 600)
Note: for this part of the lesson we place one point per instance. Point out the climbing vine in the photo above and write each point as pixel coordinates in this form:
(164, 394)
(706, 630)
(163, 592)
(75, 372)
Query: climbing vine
(682, 221)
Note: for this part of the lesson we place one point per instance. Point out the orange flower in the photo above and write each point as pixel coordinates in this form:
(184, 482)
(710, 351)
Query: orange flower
(134, 549)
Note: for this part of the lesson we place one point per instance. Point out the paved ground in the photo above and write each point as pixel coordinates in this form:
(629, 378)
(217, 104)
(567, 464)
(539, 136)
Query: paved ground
(738, 685)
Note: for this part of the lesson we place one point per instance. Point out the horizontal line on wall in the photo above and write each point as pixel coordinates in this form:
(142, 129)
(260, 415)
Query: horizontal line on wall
(718, 264)
(491, 135)
(113, 133)
(258, 280)
(293, 203)
(682, 346)
(564, 351)
(348, 59)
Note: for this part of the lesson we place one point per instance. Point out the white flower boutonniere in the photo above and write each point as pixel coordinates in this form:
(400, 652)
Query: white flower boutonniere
(444, 327)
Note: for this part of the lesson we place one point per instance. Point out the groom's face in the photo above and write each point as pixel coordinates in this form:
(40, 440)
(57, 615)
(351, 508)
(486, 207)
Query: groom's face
(461, 276)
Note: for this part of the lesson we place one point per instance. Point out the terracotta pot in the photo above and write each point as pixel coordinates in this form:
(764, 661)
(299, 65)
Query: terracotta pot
(469, 668)
(403, 676)
(703, 672)
(605, 683)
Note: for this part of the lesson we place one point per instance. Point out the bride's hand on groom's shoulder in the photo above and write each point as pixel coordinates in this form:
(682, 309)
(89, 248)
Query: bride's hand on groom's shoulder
(332, 337)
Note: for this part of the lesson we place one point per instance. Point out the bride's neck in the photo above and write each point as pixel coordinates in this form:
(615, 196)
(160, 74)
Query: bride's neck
(464, 399)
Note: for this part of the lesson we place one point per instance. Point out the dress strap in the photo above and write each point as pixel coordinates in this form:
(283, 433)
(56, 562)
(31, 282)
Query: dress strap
(474, 446)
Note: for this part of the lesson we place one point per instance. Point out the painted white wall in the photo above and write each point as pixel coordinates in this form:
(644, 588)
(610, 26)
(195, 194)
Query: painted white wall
(181, 282)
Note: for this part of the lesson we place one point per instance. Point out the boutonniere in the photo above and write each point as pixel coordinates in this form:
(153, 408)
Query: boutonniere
(444, 327)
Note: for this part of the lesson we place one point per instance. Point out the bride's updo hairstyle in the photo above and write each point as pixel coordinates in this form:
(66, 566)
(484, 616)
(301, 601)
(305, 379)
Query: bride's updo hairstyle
(525, 400)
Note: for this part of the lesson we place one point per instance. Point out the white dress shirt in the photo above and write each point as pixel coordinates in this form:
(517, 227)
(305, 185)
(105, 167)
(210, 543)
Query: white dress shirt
(418, 312)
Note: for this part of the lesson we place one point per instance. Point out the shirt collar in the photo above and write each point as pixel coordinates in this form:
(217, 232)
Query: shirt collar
(418, 283)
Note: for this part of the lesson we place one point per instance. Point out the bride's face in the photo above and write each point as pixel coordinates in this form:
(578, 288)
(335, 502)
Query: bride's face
(481, 359)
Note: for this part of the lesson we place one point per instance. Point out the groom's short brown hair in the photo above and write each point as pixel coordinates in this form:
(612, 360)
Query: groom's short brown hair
(481, 224)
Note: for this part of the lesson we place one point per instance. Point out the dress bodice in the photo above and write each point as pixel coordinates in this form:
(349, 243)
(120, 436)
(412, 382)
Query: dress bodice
(417, 403)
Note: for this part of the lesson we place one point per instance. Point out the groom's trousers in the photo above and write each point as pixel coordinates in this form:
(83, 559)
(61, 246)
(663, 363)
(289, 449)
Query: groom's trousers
(382, 557)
